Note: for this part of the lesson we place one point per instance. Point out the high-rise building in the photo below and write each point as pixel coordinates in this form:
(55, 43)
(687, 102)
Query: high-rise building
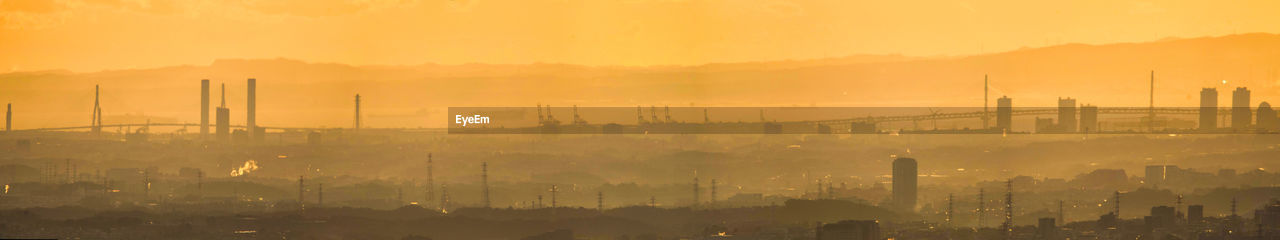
(1267, 117)
(1208, 108)
(1089, 118)
(251, 109)
(1004, 113)
(204, 109)
(1047, 228)
(849, 230)
(1067, 115)
(1241, 115)
(1195, 214)
(1161, 216)
(904, 184)
(1268, 219)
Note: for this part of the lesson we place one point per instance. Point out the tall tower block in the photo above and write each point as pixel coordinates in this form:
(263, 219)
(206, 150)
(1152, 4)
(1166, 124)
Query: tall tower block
(1208, 109)
(1088, 118)
(204, 109)
(251, 110)
(1004, 114)
(1241, 113)
(904, 183)
(1067, 121)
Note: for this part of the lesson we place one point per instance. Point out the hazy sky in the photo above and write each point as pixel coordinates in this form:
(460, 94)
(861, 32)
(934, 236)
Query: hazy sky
(92, 35)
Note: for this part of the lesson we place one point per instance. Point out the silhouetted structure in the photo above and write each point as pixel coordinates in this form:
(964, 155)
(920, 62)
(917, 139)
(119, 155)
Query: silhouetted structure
(357, 120)
(982, 208)
(554, 190)
(1007, 227)
(695, 189)
(904, 184)
(1067, 115)
(1004, 114)
(1089, 118)
(1268, 220)
(1195, 214)
(1208, 108)
(1241, 116)
(1266, 117)
(1117, 204)
(713, 193)
(204, 109)
(96, 122)
(302, 190)
(950, 208)
(8, 117)
(1161, 217)
(251, 109)
(444, 197)
(849, 230)
(1046, 228)
(223, 124)
(986, 90)
(431, 185)
(862, 127)
(484, 182)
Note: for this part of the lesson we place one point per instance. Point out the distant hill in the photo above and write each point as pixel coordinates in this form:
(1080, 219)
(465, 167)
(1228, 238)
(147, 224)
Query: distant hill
(296, 93)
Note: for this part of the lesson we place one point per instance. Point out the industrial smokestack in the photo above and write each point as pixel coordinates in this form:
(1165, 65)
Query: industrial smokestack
(204, 109)
(223, 128)
(8, 118)
(251, 110)
(357, 122)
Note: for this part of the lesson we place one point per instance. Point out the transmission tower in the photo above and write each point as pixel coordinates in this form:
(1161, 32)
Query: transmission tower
(484, 180)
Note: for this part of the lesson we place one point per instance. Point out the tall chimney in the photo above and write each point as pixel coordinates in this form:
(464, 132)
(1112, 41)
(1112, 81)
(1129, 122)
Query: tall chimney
(204, 109)
(357, 127)
(223, 126)
(251, 110)
(8, 118)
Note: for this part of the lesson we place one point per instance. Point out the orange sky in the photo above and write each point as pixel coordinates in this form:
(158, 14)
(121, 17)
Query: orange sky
(92, 35)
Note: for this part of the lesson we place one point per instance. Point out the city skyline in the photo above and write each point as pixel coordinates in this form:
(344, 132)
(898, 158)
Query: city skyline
(640, 119)
(396, 100)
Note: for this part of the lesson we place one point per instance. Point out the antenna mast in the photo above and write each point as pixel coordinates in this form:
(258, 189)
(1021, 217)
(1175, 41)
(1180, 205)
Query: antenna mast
(484, 180)
(1008, 210)
(431, 185)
